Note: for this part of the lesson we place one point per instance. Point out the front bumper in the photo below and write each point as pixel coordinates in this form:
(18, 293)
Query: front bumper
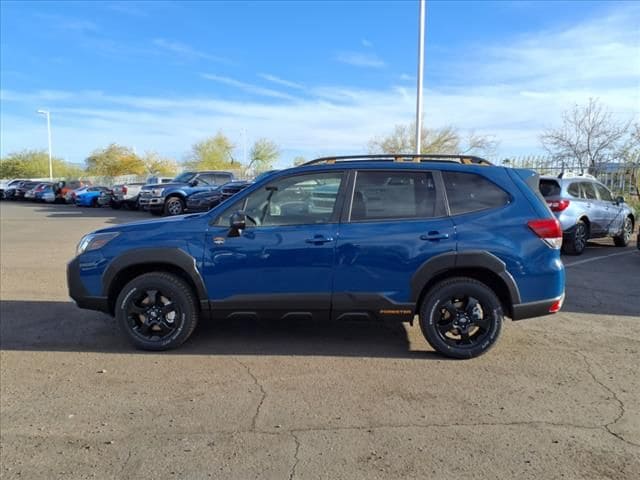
(79, 294)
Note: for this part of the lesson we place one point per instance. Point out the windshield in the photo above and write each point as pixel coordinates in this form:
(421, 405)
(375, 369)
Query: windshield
(183, 177)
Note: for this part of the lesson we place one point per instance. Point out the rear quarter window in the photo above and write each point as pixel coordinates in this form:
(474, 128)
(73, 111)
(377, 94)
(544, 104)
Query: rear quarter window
(470, 192)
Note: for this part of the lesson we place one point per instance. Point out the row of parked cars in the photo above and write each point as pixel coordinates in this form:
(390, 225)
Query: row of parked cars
(585, 207)
(193, 191)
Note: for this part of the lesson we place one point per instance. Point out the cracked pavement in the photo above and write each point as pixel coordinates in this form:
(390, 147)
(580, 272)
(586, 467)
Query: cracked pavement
(556, 398)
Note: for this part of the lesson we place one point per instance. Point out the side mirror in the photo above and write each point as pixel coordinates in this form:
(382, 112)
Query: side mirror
(237, 222)
(619, 200)
(193, 183)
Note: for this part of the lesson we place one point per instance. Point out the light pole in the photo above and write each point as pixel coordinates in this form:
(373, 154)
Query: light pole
(47, 113)
(420, 70)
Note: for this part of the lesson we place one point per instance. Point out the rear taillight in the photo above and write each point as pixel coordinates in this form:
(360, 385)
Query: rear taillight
(558, 205)
(549, 230)
(124, 190)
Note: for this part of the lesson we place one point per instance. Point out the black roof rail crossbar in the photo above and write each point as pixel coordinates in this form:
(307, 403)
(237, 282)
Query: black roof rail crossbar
(402, 157)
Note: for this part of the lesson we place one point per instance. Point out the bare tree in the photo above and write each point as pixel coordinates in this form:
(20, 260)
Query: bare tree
(589, 135)
(438, 140)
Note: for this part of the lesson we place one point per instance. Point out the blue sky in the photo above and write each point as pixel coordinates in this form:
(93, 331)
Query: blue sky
(316, 77)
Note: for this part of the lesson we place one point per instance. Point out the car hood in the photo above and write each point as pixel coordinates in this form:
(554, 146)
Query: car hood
(164, 185)
(152, 224)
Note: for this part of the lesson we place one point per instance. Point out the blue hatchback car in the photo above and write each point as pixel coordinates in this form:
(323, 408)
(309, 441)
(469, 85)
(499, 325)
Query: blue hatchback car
(452, 240)
(89, 198)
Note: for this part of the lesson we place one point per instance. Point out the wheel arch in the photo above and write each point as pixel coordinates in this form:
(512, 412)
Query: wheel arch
(134, 263)
(479, 265)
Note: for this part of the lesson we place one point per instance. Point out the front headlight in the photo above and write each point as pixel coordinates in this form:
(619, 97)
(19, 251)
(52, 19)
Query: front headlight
(157, 192)
(93, 241)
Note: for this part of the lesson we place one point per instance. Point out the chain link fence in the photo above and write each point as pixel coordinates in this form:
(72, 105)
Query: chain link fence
(619, 177)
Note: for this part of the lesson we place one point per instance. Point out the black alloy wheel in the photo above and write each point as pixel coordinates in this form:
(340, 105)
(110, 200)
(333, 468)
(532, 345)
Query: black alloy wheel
(157, 311)
(461, 317)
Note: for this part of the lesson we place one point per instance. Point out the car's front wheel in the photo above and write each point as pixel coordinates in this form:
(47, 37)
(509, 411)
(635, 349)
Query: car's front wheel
(575, 241)
(623, 239)
(174, 206)
(461, 317)
(157, 311)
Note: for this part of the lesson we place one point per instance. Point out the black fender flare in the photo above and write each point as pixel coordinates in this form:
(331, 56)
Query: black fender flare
(173, 256)
(470, 259)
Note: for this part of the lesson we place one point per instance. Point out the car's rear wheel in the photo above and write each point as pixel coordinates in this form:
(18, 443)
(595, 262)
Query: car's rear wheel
(624, 238)
(174, 206)
(575, 241)
(157, 311)
(461, 317)
(116, 205)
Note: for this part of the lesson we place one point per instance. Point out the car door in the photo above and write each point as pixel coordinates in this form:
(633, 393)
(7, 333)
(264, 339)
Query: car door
(282, 262)
(595, 212)
(612, 213)
(394, 222)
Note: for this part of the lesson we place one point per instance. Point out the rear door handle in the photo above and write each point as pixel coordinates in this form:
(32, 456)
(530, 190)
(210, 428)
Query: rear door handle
(434, 236)
(319, 240)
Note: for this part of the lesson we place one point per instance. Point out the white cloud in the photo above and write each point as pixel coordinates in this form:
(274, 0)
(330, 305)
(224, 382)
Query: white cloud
(185, 51)
(281, 81)
(366, 43)
(357, 59)
(513, 92)
(247, 87)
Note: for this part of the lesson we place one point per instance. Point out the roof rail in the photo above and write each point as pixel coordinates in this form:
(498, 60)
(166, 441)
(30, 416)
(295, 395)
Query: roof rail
(401, 157)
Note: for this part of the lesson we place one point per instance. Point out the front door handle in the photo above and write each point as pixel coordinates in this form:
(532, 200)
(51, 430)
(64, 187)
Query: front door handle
(434, 236)
(319, 240)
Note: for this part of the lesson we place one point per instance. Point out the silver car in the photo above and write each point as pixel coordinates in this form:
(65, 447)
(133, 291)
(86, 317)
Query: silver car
(587, 209)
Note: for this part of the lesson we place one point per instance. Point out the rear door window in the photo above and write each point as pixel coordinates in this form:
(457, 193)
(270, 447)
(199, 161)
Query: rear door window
(589, 191)
(574, 190)
(470, 192)
(386, 195)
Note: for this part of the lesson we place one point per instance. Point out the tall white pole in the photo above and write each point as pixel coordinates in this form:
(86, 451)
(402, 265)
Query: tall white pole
(47, 114)
(49, 138)
(420, 71)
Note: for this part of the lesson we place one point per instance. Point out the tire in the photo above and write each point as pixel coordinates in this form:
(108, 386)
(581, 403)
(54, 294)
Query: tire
(140, 312)
(575, 241)
(94, 203)
(174, 206)
(116, 205)
(624, 238)
(471, 334)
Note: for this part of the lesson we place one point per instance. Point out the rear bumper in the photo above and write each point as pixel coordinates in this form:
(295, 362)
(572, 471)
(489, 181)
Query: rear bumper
(540, 308)
(79, 294)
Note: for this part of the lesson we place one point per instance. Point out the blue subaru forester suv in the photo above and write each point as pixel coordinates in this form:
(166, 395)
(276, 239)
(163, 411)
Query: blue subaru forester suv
(453, 240)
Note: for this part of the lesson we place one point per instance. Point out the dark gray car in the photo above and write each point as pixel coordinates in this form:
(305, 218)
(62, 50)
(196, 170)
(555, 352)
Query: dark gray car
(587, 209)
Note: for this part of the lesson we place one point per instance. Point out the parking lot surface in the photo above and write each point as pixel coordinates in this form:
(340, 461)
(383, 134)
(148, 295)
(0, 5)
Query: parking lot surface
(556, 398)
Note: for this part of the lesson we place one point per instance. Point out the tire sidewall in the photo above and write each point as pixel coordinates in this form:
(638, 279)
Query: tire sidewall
(188, 312)
(448, 289)
(171, 200)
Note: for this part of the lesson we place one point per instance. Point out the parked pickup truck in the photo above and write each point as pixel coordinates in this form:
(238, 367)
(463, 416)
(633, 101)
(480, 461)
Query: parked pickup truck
(170, 198)
(127, 194)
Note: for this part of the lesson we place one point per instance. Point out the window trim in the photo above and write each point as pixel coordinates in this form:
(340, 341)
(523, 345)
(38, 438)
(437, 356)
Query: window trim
(441, 202)
(337, 209)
